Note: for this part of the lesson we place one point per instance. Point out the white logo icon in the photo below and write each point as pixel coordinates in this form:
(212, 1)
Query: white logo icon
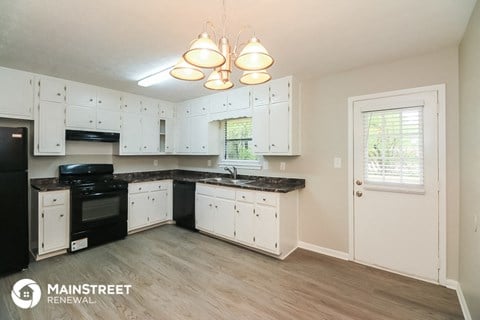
(26, 293)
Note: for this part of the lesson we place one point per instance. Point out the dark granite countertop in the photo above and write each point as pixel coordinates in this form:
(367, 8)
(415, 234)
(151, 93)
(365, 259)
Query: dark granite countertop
(48, 184)
(261, 183)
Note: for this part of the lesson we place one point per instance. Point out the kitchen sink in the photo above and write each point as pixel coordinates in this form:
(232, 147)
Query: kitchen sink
(228, 180)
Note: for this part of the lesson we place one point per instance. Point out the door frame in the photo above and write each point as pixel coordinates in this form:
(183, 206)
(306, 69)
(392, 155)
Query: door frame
(442, 173)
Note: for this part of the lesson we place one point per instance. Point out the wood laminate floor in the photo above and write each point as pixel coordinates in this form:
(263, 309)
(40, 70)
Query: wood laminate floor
(177, 274)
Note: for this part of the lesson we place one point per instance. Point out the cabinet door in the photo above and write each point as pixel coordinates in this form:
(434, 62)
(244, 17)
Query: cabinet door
(79, 94)
(169, 135)
(279, 128)
(54, 229)
(132, 103)
(108, 99)
(265, 228)
(244, 222)
(261, 95)
(204, 212)
(199, 134)
(280, 90)
(130, 137)
(224, 221)
(16, 94)
(218, 102)
(159, 206)
(166, 110)
(138, 209)
(260, 129)
(239, 99)
(51, 89)
(80, 117)
(182, 134)
(50, 128)
(150, 134)
(108, 120)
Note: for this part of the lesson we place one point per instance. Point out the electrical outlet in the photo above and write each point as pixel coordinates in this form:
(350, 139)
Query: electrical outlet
(337, 162)
(282, 166)
(209, 163)
(155, 163)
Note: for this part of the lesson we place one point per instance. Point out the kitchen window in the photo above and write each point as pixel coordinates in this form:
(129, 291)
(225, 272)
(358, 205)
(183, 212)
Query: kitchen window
(238, 145)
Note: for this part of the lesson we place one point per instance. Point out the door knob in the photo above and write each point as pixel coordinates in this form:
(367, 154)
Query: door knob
(359, 193)
(358, 182)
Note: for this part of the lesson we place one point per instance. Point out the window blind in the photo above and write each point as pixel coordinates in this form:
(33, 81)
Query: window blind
(393, 147)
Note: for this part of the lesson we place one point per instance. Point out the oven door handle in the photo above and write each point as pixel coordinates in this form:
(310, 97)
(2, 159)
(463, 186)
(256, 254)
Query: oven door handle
(95, 194)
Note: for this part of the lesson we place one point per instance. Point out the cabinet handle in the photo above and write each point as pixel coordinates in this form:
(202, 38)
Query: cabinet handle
(61, 216)
(273, 144)
(257, 214)
(133, 202)
(210, 205)
(99, 122)
(216, 207)
(124, 147)
(273, 95)
(255, 145)
(153, 199)
(144, 147)
(99, 101)
(141, 189)
(91, 100)
(59, 94)
(238, 211)
(54, 200)
(58, 144)
(243, 197)
(91, 121)
(256, 98)
(264, 199)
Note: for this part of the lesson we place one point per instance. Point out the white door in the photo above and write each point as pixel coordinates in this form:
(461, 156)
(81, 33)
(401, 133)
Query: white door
(52, 89)
(204, 212)
(396, 184)
(131, 137)
(260, 129)
(224, 219)
(108, 120)
(199, 134)
(51, 128)
(150, 134)
(279, 127)
(81, 117)
(244, 222)
(159, 202)
(138, 210)
(265, 228)
(16, 93)
(55, 229)
(79, 94)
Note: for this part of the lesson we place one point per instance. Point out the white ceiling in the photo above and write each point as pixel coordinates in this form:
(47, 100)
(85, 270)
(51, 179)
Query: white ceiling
(114, 43)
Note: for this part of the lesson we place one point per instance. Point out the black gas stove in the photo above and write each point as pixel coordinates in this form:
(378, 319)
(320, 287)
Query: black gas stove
(98, 204)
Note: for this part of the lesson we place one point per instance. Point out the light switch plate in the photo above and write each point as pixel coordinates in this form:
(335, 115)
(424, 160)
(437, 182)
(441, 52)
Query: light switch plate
(282, 166)
(209, 163)
(155, 163)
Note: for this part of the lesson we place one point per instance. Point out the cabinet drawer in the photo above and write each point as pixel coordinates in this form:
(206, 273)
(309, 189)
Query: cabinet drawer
(245, 196)
(267, 198)
(137, 187)
(225, 193)
(53, 198)
(158, 185)
(206, 189)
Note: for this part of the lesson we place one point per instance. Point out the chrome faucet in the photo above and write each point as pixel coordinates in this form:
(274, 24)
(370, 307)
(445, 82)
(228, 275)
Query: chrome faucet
(233, 172)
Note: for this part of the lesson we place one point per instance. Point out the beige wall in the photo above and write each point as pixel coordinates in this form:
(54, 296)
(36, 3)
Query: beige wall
(323, 219)
(469, 273)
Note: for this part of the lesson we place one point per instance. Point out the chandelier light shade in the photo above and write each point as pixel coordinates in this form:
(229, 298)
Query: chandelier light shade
(218, 82)
(185, 71)
(204, 53)
(255, 77)
(254, 57)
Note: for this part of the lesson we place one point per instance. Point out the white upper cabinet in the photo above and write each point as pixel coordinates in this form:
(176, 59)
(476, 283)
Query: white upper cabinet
(49, 117)
(276, 117)
(131, 103)
(228, 102)
(79, 94)
(198, 107)
(92, 108)
(16, 94)
(239, 99)
(166, 110)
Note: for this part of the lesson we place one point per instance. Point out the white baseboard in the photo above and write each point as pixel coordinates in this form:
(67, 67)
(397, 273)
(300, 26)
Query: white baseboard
(326, 251)
(463, 303)
(451, 284)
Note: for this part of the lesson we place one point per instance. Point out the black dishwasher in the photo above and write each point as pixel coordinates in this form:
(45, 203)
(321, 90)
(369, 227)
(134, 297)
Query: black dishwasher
(184, 204)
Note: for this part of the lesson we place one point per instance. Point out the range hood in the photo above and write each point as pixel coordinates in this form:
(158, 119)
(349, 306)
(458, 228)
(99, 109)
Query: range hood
(79, 135)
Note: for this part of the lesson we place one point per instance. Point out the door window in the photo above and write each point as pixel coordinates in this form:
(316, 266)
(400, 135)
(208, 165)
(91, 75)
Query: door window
(393, 147)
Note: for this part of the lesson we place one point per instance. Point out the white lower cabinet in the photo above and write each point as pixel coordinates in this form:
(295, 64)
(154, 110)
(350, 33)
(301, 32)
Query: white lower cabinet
(149, 203)
(265, 221)
(50, 223)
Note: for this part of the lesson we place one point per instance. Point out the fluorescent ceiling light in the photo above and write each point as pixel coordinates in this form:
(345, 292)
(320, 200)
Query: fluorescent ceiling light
(155, 78)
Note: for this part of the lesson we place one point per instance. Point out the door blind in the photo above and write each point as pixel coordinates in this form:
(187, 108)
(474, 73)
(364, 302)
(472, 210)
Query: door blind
(393, 147)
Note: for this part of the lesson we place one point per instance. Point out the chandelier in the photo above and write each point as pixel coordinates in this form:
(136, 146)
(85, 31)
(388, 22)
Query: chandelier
(204, 53)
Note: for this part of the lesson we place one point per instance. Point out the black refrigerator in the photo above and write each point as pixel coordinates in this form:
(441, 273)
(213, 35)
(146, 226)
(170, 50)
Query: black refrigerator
(13, 199)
